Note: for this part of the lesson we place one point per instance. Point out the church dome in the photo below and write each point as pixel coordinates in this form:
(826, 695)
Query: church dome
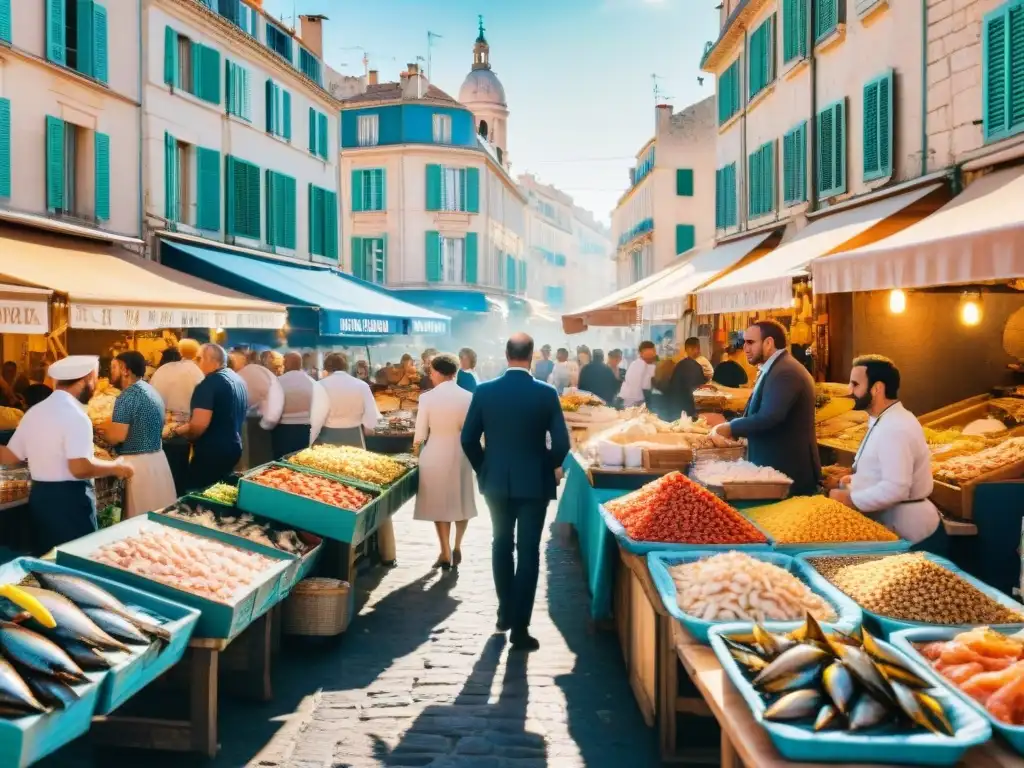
(482, 86)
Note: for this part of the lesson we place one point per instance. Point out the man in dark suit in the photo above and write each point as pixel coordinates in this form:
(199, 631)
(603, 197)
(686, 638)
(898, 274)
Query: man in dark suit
(779, 420)
(518, 476)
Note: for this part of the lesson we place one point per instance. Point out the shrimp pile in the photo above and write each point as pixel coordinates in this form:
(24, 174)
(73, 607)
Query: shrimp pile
(736, 586)
(986, 665)
(182, 560)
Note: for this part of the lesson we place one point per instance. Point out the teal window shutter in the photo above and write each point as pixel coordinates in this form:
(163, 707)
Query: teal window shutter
(209, 69)
(253, 192)
(243, 87)
(522, 275)
(331, 225)
(832, 150)
(290, 216)
(171, 212)
(761, 64)
(731, 196)
(719, 197)
(5, 21)
(322, 148)
(271, 107)
(170, 57)
(358, 259)
(794, 29)
(230, 196)
(433, 187)
(827, 17)
(684, 182)
(275, 218)
(433, 257)
(84, 36)
(357, 192)
(314, 212)
(473, 190)
(878, 110)
(729, 92)
(230, 88)
(286, 110)
(380, 275)
(54, 163)
(686, 237)
(208, 189)
(470, 271)
(99, 43)
(102, 176)
(56, 30)
(383, 178)
(794, 165)
(312, 130)
(5, 146)
(1003, 71)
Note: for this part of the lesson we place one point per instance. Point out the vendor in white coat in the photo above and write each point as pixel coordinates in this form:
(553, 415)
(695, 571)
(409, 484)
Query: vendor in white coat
(306, 406)
(892, 476)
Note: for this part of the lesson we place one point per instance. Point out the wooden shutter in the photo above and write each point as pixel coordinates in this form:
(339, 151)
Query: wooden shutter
(56, 30)
(331, 224)
(83, 44)
(102, 176)
(826, 144)
(208, 189)
(243, 87)
(99, 43)
(878, 130)
(732, 196)
(719, 197)
(312, 130)
(357, 192)
(290, 215)
(471, 254)
(230, 196)
(794, 165)
(271, 107)
(171, 212)
(5, 145)
(170, 57)
(314, 214)
(433, 187)
(230, 88)
(686, 238)
(253, 201)
(54, 163)
(209, 73)
(322, 142)
(5, 20)
(1003, 74)
(827, 17)
(684, 182)
(753, 183)
(383, 189)
(433, 252)
(1015, 57)
(286, 115)
(359, 258)
(472, 197)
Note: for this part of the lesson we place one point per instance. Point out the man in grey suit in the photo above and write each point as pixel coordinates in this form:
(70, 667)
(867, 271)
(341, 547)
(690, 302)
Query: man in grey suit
(779, 419)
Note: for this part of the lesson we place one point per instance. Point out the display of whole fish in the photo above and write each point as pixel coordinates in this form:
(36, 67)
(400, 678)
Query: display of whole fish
(86, 657)
(85, 594)
(72, 623)
(15, 695)
(37, 655)
(117, 626)
(52, 692)
(836, 681)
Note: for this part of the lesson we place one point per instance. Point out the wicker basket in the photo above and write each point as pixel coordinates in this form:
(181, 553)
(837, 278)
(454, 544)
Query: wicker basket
(317, 608)
(735, 453)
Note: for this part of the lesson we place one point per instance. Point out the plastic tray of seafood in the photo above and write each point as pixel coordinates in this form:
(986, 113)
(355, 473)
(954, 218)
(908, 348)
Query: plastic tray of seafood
(306, 499)
(982, 665)
(229, 580)
(905, 590)
(827, 697)
(351, 464)
(126, 636)
(306, 547)
(703, 589)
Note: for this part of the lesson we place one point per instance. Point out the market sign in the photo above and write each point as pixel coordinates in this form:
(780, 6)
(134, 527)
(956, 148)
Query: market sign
(336, 324)
(22, 316)
(429, 327)
(119, 318)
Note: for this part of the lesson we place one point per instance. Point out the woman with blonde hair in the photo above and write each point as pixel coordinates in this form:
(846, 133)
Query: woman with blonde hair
(446, 493)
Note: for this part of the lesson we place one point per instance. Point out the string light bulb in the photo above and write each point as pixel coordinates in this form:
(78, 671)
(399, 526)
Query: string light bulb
(970, 308)
(897, 301)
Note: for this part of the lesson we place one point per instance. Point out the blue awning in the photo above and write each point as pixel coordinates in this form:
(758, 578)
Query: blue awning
(320, 298)
(446, 300)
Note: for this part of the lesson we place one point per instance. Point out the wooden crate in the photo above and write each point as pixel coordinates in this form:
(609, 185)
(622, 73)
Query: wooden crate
(956, 414)
(667, 459)
(958, 500)
(734, 453)
(754, 491)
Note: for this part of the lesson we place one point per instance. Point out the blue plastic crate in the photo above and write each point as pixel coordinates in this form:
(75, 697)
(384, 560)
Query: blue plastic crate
(845, 547)
(799, 742)
(848, 614)
(643, 547)
(29, 739)
(885, 626)
(218, 620)
(286, 460)
(130, 672)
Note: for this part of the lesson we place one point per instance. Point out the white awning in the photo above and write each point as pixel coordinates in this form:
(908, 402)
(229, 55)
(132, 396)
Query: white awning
(768, 282)
(24, 309)
(976, 237)
(666, 300)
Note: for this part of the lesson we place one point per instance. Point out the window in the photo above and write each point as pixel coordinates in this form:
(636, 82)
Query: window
(1003, 71)
(762, 57)
(369, 192)
(239, 14)
(443, 129)
(318, 132)
(242, 190)
(728, 95)
(794, 30)
(191, 67)
(369, 259)
(279, 41)
(77, 171)
(76, 35)
(828, 15)
(686, 237)
(237, 85)
(726, 214)
(323, 222)
(309, 65)
(794, 165)
(5, 146)
(451, 259)
(177, 181)
(640, 264)
(369, 130)
(281, 216)
(832, 150)
(878, 106)
(453, 189)
(684, 182)
(279, 111)
(761, 180)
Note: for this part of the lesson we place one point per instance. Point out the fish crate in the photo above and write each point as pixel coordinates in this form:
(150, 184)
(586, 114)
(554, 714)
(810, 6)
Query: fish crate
(129, 673)
(308, 514)
(667, 459)
(218, 620)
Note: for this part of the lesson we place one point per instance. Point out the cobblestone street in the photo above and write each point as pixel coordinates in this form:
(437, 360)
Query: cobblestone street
(419, 679)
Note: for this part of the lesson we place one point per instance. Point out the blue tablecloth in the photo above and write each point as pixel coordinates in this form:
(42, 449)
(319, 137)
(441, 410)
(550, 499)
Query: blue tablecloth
(578, 507)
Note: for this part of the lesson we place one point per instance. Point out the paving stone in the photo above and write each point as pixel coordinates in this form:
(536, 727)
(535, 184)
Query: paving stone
(473, 745)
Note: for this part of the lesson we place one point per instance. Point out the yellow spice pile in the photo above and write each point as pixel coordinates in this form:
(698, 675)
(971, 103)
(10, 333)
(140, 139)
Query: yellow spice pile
(804, 519)
(910, 587)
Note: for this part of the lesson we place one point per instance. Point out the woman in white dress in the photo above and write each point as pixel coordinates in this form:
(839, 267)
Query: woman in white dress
(445, 496)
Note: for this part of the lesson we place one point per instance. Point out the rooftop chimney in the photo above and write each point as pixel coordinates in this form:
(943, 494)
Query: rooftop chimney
(373, 77)
(414, 69)
(312, 33)
(662, 119)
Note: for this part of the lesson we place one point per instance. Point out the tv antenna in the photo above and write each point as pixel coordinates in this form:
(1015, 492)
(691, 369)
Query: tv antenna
(659, 94)
(431, 37)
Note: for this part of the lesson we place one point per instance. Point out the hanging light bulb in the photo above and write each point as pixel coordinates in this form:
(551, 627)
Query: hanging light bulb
(897, 301)
(970, 308)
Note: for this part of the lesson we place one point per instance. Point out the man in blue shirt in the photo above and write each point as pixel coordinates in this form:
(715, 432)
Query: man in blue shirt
(542, 368)
(219, 405)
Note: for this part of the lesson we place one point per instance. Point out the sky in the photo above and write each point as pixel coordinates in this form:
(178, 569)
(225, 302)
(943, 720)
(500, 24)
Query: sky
(577, 73)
